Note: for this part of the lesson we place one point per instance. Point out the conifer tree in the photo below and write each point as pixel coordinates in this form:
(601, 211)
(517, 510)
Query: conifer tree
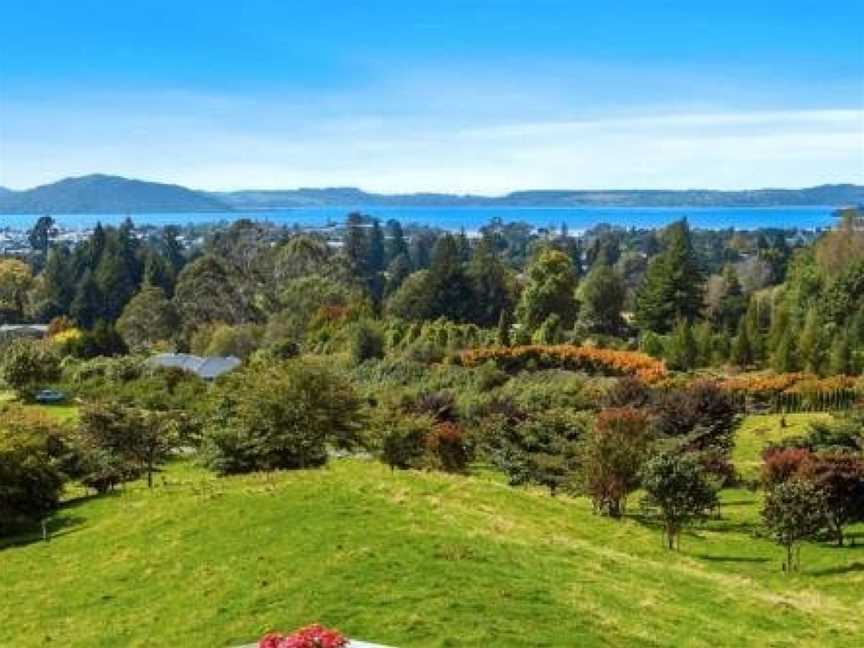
(742, 349)
(682, 352)
(673, 286)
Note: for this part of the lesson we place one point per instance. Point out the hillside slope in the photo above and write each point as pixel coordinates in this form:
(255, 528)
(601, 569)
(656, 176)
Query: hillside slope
(106, 194)
(407, 559)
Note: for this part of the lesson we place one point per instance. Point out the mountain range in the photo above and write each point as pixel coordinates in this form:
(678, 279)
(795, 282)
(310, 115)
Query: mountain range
(113, 194)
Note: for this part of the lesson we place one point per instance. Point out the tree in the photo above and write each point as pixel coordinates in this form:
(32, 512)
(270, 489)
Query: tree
(15, 281)
(280, 416)
(40, 236)
(677, 489)
(55, 285)
(206, 293)
(149, 317)
(785, 359)
(32, 456)
(602, 294)
(395, 244)
(840, 477)
(118, 443)
(811, 343)
(367, 342)
(841, 361)
(612, 456)
(794, 510)
(449, 287)
(86, 306)
(742, 350)
(550, 290)
(397, 272)
(682, 352)
(356, 245)
(26, 365)
(672, 288)
(377, 252)
(490, 284)
(505, 324)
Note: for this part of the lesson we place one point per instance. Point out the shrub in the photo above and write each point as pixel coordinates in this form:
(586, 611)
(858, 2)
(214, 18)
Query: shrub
(677, 489)
(366, 343)
(403, 444)
(794, 510)
(32, 455)
(782, 464)
(445, 448)
(572, 358)
(612, 458)
(26, 365)
(280, 416)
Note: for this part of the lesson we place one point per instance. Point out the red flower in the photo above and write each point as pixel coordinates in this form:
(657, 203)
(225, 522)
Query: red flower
(314, 636)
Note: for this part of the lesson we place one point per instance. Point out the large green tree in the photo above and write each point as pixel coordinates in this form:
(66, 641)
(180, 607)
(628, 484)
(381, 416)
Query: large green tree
(149, 317)
(550, 290)
(673, 286)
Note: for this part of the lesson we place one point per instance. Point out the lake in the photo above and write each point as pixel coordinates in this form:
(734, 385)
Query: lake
(472, 218)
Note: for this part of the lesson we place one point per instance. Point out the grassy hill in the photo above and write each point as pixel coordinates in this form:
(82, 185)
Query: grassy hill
(408, 559)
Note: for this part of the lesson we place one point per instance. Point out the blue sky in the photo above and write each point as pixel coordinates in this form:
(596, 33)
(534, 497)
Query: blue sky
(451, 96)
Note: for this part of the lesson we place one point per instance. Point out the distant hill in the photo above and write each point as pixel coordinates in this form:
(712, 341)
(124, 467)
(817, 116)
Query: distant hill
(830, 195)
(113, 194)
(107, 194)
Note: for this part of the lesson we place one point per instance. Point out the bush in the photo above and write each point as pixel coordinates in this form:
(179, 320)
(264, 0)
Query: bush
(282, 416)
(32, 457)
(366, 342)
(27, 365)
(445, 448)
(404, 441)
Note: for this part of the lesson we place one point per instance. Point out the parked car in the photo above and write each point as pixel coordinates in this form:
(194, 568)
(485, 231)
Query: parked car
(48, 396)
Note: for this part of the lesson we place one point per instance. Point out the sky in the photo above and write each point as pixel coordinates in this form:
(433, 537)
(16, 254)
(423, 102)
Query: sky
(454, 96)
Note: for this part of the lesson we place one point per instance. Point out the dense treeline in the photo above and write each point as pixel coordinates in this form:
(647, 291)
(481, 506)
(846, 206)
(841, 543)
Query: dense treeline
(694, 298)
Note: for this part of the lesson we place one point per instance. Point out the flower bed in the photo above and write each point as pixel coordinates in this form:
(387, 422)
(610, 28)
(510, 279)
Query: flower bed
(574, 358)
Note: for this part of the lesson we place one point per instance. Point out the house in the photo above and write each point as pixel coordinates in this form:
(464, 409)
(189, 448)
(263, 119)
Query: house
(206, 368)
(31, 331)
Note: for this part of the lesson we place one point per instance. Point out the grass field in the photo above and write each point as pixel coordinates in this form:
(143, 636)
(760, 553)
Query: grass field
(410, 559)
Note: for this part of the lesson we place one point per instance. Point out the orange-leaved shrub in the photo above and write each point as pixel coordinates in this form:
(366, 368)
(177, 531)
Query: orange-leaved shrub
(567, 356)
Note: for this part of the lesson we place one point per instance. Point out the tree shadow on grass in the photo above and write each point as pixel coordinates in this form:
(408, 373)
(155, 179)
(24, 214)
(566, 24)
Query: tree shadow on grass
(57, 526)
(730, 559)
(838, 571)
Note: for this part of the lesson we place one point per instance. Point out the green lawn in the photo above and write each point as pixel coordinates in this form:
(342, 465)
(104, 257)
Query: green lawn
(409, 559)
(756, 431)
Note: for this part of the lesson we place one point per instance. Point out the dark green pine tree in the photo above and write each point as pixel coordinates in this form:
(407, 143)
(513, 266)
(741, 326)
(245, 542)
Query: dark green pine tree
(115, 279)
(682, 351)
(158, 272)
(86, 307)
(449, 287)
(733, 304)
(356, 245)
(395, 245)
(397, 272)
(742, 349)
(673, 286)
(464, 246)
(58, 281)
(505, 324)
(490, 283)
(377, 254)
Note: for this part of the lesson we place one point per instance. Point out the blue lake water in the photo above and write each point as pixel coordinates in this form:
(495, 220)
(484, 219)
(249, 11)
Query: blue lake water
(472, 218)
